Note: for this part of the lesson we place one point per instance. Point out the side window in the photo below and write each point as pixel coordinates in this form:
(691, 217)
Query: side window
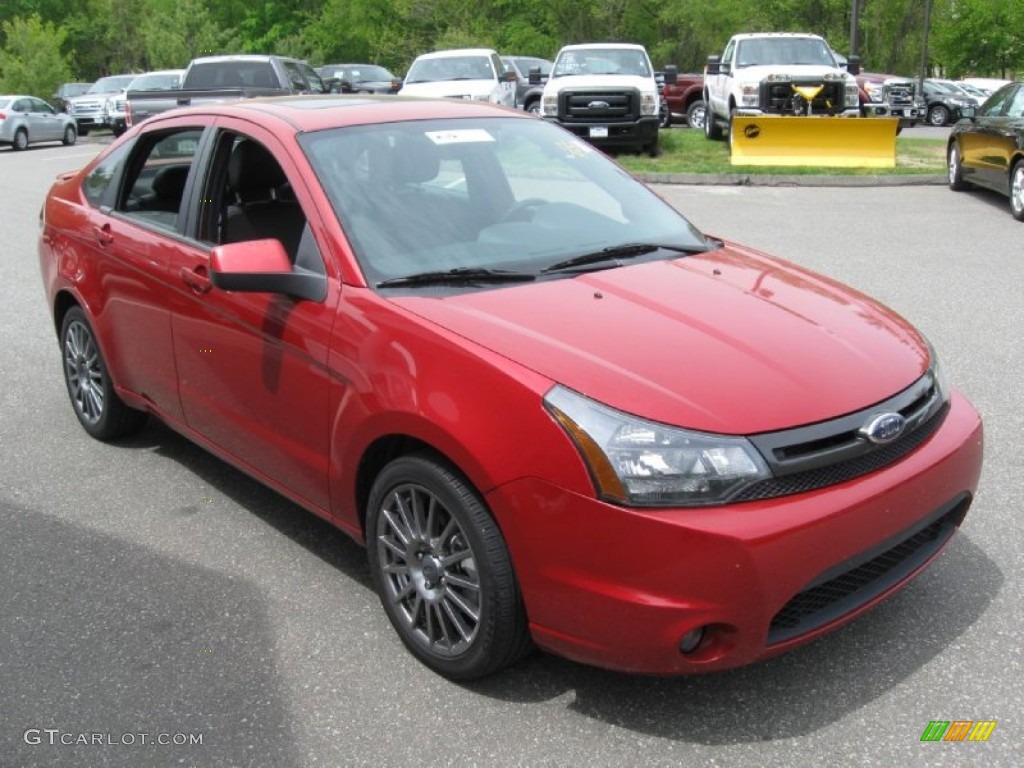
(727, 55)
(155, 181)
(21, 105)
(1017, 105)
(97, 186)
(316, 85)
(248, 197)
(996, 105)
(295, 76)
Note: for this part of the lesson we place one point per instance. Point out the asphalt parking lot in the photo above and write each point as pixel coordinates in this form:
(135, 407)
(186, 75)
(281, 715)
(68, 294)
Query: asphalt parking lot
(151, 589)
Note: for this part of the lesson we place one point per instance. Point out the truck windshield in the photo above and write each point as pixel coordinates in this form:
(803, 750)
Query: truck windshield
(784, 50)
(450, 68)
(602, 61)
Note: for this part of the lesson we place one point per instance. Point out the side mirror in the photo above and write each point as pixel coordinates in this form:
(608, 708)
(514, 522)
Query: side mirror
(262, 266)
(671, 74)
(713, 66)
(534, 75)
(396, 85)
(510, 76)
(853, 65)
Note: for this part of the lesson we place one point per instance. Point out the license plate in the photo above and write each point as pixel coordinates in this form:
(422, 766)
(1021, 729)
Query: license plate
(599, 132)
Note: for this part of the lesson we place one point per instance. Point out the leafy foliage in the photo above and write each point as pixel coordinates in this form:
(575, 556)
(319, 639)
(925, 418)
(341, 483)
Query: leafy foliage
(99, 37)
(31, 61)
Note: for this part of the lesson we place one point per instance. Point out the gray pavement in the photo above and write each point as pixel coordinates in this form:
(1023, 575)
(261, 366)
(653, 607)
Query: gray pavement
(149, 588)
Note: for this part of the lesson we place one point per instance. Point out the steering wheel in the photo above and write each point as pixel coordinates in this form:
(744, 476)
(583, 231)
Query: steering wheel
(523, 210)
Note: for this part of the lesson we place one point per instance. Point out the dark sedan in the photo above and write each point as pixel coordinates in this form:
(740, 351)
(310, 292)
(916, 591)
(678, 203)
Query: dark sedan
(946, 104)
(360, 78)
(987, 149)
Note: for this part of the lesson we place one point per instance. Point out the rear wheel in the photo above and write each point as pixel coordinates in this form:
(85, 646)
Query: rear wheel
(99, 410)
(696, 115)
(1017, 191)
(956, 169)
(20, 140)
(533, 107)
(442, 570)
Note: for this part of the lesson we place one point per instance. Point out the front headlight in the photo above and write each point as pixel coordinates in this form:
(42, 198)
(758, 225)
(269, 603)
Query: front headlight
(938, 372)
(549, 105)
(875, 92)
(642, 463)
(648, 104)
(748, 94)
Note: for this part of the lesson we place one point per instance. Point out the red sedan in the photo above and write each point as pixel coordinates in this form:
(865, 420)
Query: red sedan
(555, 412)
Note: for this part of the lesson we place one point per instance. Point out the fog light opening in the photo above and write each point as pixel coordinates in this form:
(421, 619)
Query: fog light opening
(691, 640)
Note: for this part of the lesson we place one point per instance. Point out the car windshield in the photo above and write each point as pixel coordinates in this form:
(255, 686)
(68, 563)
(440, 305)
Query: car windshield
(163, 82)
(784, 50)
(524, 64)
(364, 74)
(508, 196)
(111, 84)
(601, 61)
(450, 68)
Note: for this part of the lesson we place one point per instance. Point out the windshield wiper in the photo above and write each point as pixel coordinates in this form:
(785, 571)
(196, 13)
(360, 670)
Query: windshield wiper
(460, 275)
(624, 251)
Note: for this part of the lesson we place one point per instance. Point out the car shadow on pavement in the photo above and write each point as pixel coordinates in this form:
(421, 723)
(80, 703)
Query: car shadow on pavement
(105, 640)
(790, 695)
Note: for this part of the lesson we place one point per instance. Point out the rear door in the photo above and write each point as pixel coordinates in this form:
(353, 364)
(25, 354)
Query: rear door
(986, 148)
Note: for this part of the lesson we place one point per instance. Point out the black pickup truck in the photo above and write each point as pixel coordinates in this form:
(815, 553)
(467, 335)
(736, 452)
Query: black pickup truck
(225, 78)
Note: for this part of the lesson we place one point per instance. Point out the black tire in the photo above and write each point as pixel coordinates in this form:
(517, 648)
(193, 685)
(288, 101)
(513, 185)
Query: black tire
(653, 149)
(442, 570)
(712, 130)
(533, 107)
(664, 117)
(118, 130)
(83, 130)
(955, 168)
(1017, 190)
(20, 141)
(696, 114)
(938, 116)
(70, 137)
(99, 410)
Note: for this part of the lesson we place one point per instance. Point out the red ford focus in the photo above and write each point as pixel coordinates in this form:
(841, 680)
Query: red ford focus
(555, 412)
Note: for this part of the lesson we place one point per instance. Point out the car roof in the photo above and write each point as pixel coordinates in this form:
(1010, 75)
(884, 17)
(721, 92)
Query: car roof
(458, 52)
(314, 113)
(602, 47)
(761, 35)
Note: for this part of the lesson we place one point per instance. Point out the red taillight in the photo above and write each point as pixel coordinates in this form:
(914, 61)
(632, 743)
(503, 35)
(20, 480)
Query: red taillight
(128, 113)
(3, 116)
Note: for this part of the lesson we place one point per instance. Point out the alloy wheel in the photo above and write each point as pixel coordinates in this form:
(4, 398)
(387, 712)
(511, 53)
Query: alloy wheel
(85, 377)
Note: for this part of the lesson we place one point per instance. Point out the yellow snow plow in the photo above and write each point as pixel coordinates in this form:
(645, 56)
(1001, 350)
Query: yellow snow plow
(840, 142)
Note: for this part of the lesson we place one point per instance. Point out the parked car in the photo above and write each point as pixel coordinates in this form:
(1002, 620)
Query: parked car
(359, 78)
(554, 411)
(90, 109)
(27, 120)
(684, 100)
(65, 92)
(945, 103)
(980, 94)
(987, 148)
(988, 84)
(116, 115)
(469, 73)
(528, 94)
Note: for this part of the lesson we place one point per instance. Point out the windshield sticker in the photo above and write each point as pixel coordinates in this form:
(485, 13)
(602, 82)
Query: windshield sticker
(461, 136)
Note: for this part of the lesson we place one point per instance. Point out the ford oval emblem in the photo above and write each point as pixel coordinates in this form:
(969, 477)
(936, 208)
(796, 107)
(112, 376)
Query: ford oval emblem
(598, 105)
(884, 428)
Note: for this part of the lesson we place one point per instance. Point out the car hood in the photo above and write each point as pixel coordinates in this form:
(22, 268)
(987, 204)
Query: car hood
(556, 84)
(450, 88)
(729, 341)
(759, 73)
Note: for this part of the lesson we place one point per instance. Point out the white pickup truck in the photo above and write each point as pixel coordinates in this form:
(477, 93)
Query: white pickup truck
(777, 73)
(605, 93)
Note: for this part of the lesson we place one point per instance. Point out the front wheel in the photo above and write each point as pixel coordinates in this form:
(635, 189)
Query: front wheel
(653, 149)
(712, 129)
(99, 409)
(20, 140)
(956, 169)
(938, 116)
(69, 136)
(442, 570)
(533, 107)
(1017, 191)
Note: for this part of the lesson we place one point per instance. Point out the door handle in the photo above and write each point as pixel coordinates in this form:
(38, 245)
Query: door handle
(103, 234)
(196, 279)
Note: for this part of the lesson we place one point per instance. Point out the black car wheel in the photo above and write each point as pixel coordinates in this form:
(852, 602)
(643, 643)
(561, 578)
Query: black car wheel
(99, 410)
(83, 130)
(70, 137)
(712, 129)
(442, 570)
(956, 169)
(533, 107)
(20, 140)
(696, 115)
(1017, 191)
(938, 115)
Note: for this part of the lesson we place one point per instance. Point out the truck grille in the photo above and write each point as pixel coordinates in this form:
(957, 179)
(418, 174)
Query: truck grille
(835, 594)
(816, 456)
(597, 105)
(780, 98)
(87, 107)
(899, 94)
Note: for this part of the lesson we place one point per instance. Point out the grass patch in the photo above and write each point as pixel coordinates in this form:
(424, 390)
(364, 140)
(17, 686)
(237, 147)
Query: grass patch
(685, 150)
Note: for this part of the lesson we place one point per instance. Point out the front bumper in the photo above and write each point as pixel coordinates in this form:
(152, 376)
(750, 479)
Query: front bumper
(643, 131)
(619, 588)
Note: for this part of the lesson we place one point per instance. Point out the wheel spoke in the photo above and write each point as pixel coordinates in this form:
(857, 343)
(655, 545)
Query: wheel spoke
(466, 608)
(464, 632)
(396, 550)
(403, 513)
(402, 534)
(404, 592)
(456, 580)
(455, 557)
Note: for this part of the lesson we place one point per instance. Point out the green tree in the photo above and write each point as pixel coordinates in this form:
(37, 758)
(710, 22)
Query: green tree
(177, 31)
(31, 61)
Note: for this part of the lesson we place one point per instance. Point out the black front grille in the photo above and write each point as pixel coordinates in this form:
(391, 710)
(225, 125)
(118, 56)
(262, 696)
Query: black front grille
(900, 94)
(599, 106)
(781, 98)
(840, 594)
(832, 474)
